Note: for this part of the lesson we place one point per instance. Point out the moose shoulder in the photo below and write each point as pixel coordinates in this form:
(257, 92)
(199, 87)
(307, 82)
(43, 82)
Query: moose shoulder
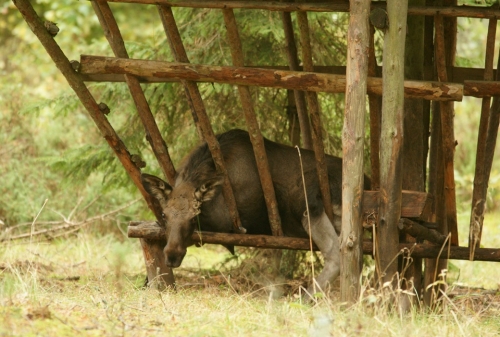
(197, 200)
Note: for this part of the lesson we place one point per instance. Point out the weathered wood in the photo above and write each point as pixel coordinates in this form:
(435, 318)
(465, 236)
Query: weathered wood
(307, 81)
(447, 115)
(330, 6)
(478, 195)
(314, 113)
(413, 158)
(88, 101)
(152, 231)
(375, 104)
(159, 275)
(391, 140)
(420, 232)
(455, 74)
(153, 135)
(482, 88)
(293, 61)
(199, 113)
(253, 127)
(353, 138)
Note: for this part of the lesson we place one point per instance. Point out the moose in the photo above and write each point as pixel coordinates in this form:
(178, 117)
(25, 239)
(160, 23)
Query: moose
(197, 200)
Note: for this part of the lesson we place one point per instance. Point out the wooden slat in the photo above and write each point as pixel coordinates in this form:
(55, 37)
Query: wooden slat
(153, 135)
(391, 141)
(418, 205)
(353, 139)
(314, 113)
(253, 127)
(447, 115)
(300, 99)
(479, 190)
(199, 113)
(331, 6)
(285, 79)
(152, 231)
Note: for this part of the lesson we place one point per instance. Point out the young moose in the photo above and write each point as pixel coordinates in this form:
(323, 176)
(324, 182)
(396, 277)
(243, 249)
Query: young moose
(197, 192)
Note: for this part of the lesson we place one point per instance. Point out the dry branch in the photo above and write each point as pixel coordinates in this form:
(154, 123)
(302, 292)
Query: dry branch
(307, 81)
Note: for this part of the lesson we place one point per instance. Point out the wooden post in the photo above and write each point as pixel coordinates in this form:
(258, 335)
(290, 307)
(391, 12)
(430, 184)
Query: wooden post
(480, 183)
(353, 136)
(253, 127)
(413, 160)
(375, 103)
(391, 140)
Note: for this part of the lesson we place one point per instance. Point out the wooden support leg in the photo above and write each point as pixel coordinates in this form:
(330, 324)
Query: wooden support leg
(159, 275)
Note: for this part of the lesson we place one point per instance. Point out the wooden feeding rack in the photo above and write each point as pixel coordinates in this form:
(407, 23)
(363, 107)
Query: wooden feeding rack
(388, 206)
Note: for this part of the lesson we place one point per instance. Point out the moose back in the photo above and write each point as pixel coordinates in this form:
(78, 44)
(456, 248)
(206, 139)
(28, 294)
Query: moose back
(197, 200)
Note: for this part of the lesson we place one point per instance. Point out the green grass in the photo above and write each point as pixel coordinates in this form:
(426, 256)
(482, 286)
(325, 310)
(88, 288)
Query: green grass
(90, 285)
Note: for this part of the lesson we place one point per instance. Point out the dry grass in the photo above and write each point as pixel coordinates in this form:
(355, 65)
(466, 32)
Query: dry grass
(90, 285)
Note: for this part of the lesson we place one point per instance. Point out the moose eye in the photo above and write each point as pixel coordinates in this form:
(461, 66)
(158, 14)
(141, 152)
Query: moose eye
(163, 215)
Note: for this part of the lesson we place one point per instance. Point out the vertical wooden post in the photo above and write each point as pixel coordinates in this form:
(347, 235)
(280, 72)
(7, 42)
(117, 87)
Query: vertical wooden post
(391, 140)
(375, 103)
(413, 152)
(353, 135)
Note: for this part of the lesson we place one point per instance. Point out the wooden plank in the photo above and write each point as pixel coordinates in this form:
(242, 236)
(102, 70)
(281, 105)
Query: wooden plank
(353, 138)
(391, 140)
(447, 129)
(414, 204)
(153, 135)
(479, 190)
(293, 61)
(152, 231)
(314, 113)
(199, 113)
(253, 127)
(330, 6)
(295, 80)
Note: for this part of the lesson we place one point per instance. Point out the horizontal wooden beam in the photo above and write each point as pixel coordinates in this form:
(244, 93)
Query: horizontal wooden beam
(152, 231)
(294, 80)
(331, 6)
(455, 74)
(482, 88)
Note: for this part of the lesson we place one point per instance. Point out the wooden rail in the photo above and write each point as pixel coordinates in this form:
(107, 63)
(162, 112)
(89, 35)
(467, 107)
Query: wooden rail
(331, 6)
(295, 80)
(152, 231)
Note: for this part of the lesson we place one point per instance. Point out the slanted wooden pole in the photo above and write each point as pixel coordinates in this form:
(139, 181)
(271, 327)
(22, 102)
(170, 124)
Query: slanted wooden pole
(293, 62)
(353, 136)
(200, 116)
(391, 140)
(253, 127)
(480, 183)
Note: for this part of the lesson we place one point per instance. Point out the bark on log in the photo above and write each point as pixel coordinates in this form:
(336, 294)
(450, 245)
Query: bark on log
(482, 88)
(200, 116)
(391, 140)
(307, 81)
(331, 6)
(159, 275)
(152, 231)
(253, 127)
(353, 137)
(478, 193)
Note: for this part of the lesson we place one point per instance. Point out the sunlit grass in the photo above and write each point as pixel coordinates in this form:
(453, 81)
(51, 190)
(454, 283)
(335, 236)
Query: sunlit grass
(91, 285)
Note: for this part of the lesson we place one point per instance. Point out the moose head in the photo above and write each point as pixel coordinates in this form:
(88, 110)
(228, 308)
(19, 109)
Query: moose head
(180, 205)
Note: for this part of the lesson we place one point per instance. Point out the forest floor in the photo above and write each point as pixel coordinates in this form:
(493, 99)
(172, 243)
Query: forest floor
(92, 285)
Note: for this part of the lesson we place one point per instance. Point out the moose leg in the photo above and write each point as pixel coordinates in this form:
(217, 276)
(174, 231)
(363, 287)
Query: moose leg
(324, 236)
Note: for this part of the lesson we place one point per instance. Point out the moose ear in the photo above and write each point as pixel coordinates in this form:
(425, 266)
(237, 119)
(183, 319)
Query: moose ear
(207, 191)
(156, 187)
